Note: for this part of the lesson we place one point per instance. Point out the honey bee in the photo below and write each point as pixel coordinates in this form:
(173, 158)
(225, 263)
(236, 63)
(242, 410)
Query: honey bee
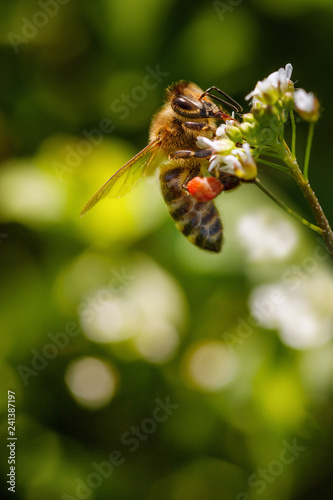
(187, 113)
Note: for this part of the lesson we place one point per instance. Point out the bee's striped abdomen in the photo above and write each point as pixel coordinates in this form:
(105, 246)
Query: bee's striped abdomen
(198, 221)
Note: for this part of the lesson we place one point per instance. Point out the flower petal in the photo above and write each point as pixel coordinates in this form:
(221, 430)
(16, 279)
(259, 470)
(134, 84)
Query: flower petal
(204, 142)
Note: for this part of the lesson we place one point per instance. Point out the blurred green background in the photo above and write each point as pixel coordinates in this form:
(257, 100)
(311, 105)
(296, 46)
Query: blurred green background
(143, 367)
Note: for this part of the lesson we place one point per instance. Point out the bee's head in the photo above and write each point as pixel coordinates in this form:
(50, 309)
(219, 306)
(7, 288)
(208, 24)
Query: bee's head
(187, 101)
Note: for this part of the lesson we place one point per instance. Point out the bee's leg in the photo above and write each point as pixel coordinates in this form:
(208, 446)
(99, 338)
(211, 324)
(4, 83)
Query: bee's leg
(185, 153)
(231, 104)
(200, 127)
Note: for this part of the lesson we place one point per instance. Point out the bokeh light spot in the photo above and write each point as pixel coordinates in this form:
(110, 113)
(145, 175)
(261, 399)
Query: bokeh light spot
(209, 366)
(158, 342)
(30, 195)
(92, 382)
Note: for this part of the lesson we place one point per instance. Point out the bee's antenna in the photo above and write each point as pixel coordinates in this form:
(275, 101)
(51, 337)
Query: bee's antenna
(232, 104)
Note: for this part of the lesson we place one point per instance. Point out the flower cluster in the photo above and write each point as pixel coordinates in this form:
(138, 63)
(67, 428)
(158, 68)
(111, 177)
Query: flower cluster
(230, 155)
(272, 101)
(259, 137)
(237, 144)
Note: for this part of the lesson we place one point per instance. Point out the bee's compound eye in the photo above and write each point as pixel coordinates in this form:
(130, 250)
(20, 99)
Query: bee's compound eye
(183, 103)
(184, 106)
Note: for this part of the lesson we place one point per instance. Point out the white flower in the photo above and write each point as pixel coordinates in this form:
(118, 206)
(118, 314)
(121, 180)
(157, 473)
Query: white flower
(239, 162)
(221, 130)
(232, 165)
(262, 88)
(306, 104)
(284, 76)
(204, 143)
(269, 89)
(247, 150)
(215, 162)
(303, 314)
(245, 156)
(304, 101)
(266, 236)
(222, 145)
(280, 79)
(229, 164)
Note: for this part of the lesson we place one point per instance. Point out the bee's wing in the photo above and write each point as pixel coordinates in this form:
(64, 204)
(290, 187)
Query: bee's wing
(127, 176)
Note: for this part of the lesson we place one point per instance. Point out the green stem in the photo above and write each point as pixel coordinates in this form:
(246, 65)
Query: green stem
(312, 200)
(287, 209)
(270, 153)
(308, 149)
(293, 134)
(274, 165)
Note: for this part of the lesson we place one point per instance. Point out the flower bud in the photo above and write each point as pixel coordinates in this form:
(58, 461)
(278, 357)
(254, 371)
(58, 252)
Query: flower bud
(234, 134)
(249, 131)
(248, 118)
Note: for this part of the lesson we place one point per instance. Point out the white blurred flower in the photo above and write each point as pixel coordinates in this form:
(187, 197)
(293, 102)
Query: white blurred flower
(299, 308)
(265, 236)
(147, 313)
(306, 104)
